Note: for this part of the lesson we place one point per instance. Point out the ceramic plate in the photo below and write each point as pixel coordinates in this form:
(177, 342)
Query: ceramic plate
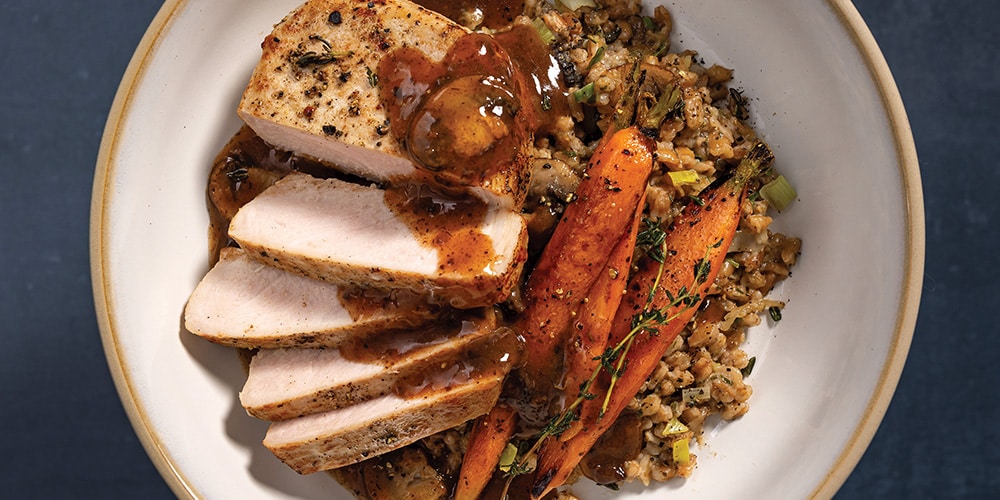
(823, 98)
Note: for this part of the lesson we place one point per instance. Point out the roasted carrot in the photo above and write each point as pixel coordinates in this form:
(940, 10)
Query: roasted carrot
(593, 321)
(577, 254)
(489, 436)
(661, 298)
(602, 212)
(607, 203)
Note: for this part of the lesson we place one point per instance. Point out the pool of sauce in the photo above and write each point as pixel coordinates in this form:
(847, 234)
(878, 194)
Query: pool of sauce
(605, 462)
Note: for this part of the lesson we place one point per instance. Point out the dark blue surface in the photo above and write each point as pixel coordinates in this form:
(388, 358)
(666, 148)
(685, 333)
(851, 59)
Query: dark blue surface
(66, 435)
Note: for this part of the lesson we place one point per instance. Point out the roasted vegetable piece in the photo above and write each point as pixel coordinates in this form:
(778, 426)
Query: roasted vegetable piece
(608, 200)
(489, 436)
(593, 321)
(661, 299)
(577, 252)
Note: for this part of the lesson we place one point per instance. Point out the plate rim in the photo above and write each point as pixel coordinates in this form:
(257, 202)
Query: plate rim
(850, 455)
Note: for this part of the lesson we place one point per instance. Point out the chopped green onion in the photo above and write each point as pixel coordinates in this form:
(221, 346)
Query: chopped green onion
(674, 426)
(507, 457)
(668, 104)
(748, 369)
(543, 30)
(682, 451)
(584, 94)
(648, 23)
(778, 193)
(775, 313)
(576, 4)
(682, 177)
(597, 57)
(694, 395)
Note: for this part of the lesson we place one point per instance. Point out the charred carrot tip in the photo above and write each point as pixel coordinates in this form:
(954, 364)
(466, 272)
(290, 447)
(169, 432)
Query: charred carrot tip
(541, 485)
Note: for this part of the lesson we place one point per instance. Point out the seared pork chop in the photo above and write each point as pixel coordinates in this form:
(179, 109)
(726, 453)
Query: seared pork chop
(287, 383)
(463, 253)
(316, 90)
(244, 303)
(337, 438)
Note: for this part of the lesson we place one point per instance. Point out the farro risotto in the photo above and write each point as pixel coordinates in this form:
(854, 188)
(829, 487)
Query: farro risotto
(614, 63)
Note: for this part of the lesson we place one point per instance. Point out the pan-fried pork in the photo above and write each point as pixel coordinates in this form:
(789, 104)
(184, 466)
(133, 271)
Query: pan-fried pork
(336, 438)
(244, 303)
(316, 91)
(286, 383)
(461, 252)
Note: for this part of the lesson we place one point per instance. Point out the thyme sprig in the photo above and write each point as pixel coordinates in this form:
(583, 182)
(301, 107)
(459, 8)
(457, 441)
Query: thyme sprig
(613, 360)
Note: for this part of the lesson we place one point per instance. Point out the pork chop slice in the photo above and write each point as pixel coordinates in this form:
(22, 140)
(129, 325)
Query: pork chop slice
(465, 254)
(316, 89)
(243, 303)
(287, 383)
(337, 438)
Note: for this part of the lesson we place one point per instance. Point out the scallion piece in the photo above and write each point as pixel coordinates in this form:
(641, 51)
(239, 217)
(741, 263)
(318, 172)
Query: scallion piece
(778, 193)
(694, 395)
(682, 177)
(775, 313)
(572, 5)
(585, 93)
(674, 426)
(546, 34)
(507, 457)
(597, 57)
(681, 451)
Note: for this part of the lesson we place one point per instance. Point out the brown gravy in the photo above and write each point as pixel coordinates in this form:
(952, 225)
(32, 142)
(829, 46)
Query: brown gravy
(466, 117)
(241, 170)
(491, 13)
(450, 224)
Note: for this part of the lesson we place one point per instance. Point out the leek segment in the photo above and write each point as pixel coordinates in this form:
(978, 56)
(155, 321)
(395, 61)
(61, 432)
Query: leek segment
(778, 193)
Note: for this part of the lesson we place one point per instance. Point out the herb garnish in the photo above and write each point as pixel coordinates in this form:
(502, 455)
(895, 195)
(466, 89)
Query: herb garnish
(775, 313)
(613, 360)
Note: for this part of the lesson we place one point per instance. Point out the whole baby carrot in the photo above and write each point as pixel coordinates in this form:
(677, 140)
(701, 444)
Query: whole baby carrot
(592, 324)
(489, 436)
(603, 211)
(607, 201)
(661, 298)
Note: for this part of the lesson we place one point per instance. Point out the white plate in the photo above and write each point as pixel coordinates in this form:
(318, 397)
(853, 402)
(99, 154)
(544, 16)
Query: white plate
(823, 98)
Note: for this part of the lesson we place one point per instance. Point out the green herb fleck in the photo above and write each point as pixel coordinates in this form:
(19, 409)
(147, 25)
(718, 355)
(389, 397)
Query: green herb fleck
(775, 313)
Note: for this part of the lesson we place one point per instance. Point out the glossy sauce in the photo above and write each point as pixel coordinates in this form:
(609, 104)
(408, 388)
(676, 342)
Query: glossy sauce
(605, 462)
(363, 303)
(451, 224)
(495, 356)
(491, 13)
(241, 170)
(388, 347)
(466, 118)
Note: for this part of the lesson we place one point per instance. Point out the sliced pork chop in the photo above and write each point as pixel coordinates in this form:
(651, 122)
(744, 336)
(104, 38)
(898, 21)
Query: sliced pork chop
(467, 254)
(315, 90)
(337, 438)
(244, 303)
(287, 383)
